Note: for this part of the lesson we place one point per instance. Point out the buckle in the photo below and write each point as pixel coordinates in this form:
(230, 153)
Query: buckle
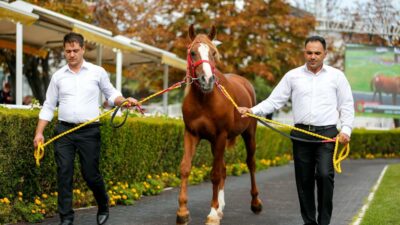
(311, 128)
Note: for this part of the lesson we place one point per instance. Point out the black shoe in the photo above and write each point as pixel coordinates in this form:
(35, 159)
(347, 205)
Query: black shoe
(66, 222)
(102, 217)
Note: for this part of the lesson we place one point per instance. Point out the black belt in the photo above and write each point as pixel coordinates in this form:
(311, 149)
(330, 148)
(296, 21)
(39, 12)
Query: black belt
(90, 125)
(313, 128)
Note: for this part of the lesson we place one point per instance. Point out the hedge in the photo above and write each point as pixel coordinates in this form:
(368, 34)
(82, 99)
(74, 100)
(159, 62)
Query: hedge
(143, 146)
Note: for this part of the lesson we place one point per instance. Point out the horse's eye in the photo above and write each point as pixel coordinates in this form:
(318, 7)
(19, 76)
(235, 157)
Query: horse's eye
(193, 54)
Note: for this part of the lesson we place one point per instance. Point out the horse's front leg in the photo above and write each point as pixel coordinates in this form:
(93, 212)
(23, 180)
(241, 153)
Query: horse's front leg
(218, 174)
(250, 142)
(190, 142)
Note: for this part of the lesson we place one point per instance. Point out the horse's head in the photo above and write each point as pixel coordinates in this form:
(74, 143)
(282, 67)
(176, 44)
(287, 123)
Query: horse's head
(202, 56)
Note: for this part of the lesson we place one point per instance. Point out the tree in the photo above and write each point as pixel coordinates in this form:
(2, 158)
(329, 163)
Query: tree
(258, 38)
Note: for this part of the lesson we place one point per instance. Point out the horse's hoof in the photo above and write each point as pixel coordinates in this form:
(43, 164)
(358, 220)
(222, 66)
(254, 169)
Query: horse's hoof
(212, 220)
(182, 220)
(220, 214)
(256, 208)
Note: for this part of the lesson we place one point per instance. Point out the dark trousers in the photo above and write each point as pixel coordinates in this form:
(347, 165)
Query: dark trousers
(86, 142)
(313, 165)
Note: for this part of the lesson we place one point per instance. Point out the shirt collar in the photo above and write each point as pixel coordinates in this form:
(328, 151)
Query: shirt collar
(323, 69)
(85, 65)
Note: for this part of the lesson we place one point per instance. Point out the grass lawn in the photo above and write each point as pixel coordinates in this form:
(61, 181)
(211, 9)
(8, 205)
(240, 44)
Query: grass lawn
(385, 207)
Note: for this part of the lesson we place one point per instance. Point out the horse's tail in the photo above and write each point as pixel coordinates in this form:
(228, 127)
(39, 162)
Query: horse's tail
(231, 142)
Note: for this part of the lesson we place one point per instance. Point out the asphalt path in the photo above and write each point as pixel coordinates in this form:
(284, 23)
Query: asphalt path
(277, 191)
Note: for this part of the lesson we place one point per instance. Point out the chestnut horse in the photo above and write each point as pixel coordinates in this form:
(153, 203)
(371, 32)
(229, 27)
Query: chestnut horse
(209, 115)
(390, 85)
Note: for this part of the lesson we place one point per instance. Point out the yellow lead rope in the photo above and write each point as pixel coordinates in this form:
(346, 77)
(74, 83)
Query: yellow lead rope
(39, 151)
(336, 158)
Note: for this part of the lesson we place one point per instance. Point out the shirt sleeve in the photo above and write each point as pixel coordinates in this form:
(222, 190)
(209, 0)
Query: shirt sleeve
(279, 96)
(345, 105)
(50, 104)
(107, 88)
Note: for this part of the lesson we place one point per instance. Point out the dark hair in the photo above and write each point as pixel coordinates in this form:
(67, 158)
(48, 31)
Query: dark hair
(316, 38)
(74, 37)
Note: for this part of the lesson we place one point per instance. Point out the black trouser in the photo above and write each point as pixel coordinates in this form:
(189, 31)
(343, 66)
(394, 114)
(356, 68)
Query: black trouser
(86, 142)
(313, 164)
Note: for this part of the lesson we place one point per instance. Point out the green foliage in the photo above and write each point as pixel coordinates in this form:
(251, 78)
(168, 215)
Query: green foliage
(263, 90)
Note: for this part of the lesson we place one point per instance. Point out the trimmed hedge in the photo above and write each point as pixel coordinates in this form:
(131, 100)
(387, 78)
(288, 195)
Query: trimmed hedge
(142, 146)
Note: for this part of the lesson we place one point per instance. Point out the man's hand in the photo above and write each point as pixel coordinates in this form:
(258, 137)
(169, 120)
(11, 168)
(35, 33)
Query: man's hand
(343, 138)
(243, 111)
(38, 139)
(132, 102)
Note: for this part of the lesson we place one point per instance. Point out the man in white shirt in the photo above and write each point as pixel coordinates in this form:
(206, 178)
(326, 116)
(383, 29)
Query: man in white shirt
(321, 95)
(75, 88)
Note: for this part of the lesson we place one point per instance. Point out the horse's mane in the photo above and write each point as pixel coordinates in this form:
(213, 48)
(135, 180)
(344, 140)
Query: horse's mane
(202, 38)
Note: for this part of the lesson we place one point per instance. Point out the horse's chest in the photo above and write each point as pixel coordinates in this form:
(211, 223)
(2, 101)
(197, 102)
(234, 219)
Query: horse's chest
(205, 125)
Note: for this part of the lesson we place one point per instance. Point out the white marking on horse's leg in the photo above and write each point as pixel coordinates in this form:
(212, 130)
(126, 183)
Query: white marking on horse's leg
(221, 203)
(204, 50)
(213, 218)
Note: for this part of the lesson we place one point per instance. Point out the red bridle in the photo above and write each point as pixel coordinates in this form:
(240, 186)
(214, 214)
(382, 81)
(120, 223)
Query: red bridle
(191, 66)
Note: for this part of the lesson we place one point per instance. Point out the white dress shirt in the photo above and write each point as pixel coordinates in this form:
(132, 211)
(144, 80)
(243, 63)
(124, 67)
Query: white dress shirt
(77, 94)
(317, 99)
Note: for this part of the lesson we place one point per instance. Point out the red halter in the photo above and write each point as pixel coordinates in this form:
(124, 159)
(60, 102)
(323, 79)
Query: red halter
(191, 66)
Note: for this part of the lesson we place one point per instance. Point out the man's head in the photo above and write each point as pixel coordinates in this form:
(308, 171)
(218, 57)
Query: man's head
(74, 49)
(314, 52)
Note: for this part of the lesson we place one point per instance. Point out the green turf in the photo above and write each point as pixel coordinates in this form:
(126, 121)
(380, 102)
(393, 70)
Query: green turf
(385, 207)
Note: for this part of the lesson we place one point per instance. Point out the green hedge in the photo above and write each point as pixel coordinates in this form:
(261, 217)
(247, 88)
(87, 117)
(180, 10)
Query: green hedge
(142, 146)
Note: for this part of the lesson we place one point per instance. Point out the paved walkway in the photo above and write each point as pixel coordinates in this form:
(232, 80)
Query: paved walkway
(277, 191)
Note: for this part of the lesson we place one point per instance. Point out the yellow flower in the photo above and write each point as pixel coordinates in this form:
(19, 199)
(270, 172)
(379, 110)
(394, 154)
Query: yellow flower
(43, 211)
(20, 194)
(6, 201)
(44, 196)
(112, 202)
(38, 202)
(149, 176)
(124, 197)
(33, 211)
(20, 198)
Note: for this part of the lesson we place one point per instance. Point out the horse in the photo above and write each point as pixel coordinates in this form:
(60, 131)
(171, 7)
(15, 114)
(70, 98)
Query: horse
(390, 85)
(209, 115)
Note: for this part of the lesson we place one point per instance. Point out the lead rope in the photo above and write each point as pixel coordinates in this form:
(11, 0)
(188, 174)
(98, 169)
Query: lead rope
(337, 159)
(39, 151)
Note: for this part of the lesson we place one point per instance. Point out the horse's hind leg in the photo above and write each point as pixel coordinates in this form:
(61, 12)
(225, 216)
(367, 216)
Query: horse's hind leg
(249, 137)
(190, 142)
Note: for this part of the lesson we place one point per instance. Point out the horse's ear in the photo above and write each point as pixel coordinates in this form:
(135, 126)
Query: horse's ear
(192, 35)
(212, 33)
